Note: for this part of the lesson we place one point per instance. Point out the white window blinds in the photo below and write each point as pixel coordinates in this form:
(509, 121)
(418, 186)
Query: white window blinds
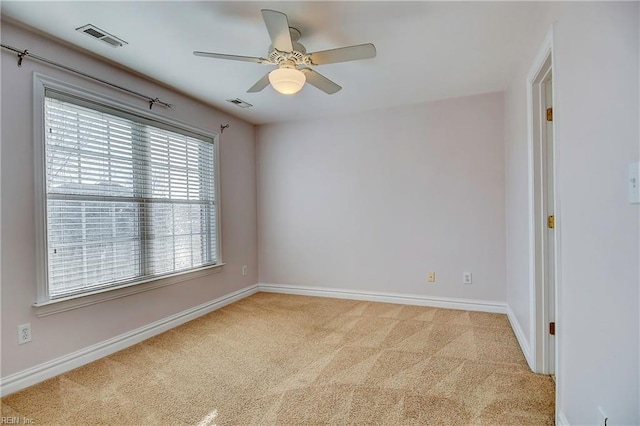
(127, 198)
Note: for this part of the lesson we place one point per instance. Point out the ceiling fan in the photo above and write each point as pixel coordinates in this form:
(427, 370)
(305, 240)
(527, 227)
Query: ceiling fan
(292, 58)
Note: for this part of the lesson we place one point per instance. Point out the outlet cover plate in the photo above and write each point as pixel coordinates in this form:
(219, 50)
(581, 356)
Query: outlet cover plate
(24, 333)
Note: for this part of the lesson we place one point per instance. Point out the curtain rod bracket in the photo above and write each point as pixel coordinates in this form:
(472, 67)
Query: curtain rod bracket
(24, 53)
(152, 102)
(21, 57)
(226, 126)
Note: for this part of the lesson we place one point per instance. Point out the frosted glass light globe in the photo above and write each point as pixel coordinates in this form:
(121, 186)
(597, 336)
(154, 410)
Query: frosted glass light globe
(287, 80)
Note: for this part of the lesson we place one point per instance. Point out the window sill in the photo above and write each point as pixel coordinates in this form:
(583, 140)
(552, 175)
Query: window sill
(55, 306)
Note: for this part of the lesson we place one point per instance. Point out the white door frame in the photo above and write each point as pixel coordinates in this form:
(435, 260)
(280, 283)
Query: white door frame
(543, 361)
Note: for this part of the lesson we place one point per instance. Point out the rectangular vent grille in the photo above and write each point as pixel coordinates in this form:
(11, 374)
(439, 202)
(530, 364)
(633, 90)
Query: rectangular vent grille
(240, 103)
(94, 33)
(111, 41)
(103, 36)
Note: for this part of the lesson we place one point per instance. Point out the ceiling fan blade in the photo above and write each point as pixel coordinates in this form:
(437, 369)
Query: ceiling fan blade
(260, 84)
(278, 28)
(344, 54)
(232, 57)
(321, 82)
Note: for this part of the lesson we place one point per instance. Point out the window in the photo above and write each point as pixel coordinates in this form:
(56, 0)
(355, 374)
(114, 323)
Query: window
(128, 198)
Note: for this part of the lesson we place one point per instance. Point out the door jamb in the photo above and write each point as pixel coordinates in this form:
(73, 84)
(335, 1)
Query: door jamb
(539, 317)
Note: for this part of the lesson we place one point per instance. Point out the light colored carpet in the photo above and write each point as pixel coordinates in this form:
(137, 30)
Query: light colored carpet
(296, 360)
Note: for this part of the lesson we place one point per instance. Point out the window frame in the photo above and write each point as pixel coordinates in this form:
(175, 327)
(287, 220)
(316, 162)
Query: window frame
(44, 303)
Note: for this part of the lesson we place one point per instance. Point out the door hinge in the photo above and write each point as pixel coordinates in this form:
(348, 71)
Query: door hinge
(551, 222)
(552, 328)
(549, 114)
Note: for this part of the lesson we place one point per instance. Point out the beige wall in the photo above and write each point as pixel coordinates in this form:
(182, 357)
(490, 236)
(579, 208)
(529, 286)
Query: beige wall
(596, 118)
(66, 332)
(374, 201)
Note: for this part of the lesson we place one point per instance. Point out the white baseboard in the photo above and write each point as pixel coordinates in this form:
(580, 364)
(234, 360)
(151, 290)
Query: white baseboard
(524, 344)
(561, 419)
(49, 369)
(372, 296)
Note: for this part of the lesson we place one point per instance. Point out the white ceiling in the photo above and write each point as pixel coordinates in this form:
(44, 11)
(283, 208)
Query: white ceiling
(426, 50)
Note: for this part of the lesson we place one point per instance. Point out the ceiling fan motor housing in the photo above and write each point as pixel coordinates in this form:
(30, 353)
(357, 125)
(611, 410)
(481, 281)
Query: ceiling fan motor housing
(296, 57)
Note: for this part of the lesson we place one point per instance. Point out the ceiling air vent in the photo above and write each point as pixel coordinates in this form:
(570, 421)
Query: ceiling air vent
(240, 103)
(103, 36)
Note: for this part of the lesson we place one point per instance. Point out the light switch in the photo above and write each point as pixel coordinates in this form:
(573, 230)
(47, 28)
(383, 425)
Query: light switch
(634, 183)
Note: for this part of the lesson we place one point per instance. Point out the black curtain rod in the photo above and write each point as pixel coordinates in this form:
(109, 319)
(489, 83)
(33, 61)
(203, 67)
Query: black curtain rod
(25, 53)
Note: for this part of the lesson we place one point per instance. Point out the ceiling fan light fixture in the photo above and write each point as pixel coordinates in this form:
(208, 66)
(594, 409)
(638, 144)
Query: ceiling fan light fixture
(287, 80)
(288, 54)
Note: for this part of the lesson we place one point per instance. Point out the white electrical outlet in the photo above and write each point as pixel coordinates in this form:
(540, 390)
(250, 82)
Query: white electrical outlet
(466, 278)
(244, 270)
(24, 333)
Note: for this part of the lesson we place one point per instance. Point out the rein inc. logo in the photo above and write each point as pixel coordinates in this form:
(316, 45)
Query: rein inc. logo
(4, 420)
